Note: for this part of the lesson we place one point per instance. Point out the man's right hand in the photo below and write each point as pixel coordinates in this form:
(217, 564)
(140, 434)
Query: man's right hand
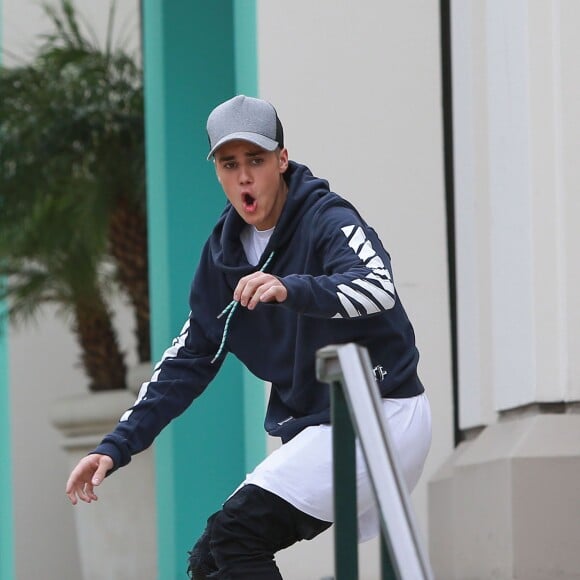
(89, 473)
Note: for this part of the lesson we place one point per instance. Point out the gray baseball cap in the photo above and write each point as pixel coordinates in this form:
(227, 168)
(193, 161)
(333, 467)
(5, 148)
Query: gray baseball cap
(247, 119)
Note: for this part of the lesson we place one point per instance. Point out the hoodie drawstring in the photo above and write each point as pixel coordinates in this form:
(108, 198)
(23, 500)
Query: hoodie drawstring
(231, 308)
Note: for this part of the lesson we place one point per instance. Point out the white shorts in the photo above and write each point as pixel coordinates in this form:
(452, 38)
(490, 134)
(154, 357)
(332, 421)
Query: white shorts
(300, 471)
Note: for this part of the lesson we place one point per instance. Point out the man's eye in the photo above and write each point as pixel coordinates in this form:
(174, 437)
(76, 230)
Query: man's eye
(257, 161)
(229, 165)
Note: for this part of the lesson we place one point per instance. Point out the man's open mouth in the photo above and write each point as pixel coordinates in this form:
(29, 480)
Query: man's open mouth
(249, 202)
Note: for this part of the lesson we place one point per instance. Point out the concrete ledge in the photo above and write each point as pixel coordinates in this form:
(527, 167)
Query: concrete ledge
(95, 414)
(506, 504)
(90, 413)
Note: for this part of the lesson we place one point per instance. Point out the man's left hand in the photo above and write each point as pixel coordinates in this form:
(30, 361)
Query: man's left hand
(259, 287)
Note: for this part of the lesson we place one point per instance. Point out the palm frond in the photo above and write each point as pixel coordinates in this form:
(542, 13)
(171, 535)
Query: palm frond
(110, 26)
(72, 191)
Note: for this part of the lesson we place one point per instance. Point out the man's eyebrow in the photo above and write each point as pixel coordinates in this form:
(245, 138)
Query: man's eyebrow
(254, 153)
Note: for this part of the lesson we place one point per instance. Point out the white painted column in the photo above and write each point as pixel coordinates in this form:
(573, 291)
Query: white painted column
(511, 204)
(473, 215)
(517, 222)
(568, 16)
(535, 218)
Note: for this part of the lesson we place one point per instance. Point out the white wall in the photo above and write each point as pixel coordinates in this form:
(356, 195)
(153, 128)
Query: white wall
(42, 369)
(44, 360)
(24, 22)
(44, 365)
(357, 86)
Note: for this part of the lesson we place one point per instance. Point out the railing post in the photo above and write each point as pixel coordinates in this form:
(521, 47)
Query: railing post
(357, 410)
(387, 567)
(344, 468)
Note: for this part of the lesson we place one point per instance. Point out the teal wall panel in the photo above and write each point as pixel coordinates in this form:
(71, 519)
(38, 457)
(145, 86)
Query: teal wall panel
(6, 497)
(189, 68)
(6, 512)
(246, 75)
(246, 47)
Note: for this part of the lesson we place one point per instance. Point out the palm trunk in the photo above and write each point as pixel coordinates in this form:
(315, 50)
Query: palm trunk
(101, 356)
(128, 246)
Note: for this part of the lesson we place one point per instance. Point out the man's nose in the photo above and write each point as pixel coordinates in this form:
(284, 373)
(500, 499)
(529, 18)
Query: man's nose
(245, 175)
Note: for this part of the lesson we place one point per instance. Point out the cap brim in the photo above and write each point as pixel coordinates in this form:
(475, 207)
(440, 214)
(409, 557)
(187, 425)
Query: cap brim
(255, 138)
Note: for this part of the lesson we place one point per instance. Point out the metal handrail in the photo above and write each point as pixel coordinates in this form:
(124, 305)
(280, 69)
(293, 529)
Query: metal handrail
(355, 400)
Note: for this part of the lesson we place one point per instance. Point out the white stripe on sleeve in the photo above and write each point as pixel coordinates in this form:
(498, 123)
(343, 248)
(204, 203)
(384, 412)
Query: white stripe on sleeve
(171, 352)
(369, 306)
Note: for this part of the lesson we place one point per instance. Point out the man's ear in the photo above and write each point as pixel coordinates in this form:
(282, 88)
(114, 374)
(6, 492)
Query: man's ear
(283, 160)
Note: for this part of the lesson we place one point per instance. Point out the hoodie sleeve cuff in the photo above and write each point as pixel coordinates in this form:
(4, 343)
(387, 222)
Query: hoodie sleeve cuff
(119, 456)
(295, 299)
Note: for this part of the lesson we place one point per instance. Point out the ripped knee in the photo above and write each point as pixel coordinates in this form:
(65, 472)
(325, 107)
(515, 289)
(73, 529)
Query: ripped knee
(202, 565)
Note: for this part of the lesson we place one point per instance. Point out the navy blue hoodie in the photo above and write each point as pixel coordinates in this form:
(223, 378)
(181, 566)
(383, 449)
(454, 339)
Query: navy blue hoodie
(340, 289)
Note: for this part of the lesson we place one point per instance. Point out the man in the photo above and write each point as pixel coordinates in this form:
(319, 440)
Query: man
(296, 268)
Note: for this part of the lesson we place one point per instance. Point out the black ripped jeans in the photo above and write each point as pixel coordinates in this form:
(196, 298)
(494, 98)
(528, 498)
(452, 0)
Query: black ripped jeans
(240, 540)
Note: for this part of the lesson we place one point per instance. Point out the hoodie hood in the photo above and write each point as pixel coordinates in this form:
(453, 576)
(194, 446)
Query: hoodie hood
(304, 191)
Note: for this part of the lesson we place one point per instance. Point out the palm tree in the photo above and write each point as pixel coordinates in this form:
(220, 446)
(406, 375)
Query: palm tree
(62, 266)
(72, 189)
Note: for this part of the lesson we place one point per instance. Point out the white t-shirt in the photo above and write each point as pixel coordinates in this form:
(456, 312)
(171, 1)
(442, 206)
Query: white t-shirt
(300, 471)
(254, 242)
